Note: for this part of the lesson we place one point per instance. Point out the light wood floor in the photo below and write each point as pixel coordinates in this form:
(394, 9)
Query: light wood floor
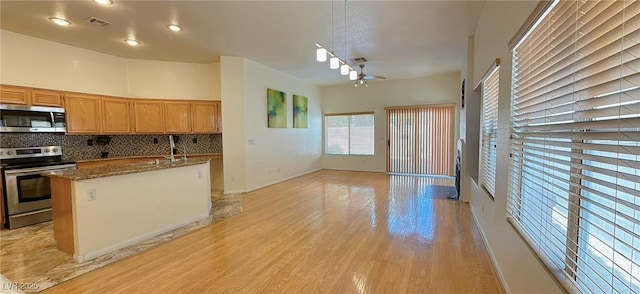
(326, 232)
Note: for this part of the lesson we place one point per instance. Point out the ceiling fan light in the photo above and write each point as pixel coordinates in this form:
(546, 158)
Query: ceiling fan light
(353, 75)
(344, 69)
(321, 55)
(334, 63)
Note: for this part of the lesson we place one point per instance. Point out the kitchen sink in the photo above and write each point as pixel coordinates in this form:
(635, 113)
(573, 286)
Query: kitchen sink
(155, 162)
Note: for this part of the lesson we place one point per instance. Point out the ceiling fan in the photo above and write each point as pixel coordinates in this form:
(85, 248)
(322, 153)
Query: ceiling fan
(362, 77)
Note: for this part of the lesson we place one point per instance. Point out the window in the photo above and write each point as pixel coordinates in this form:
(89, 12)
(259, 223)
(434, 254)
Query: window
(574, 187)
(490, 93)
(349, 134)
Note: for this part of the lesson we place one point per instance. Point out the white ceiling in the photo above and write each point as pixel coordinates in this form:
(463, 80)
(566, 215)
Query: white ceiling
(401, 39)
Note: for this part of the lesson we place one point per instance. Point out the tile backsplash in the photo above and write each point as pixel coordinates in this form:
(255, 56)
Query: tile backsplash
(77, 148)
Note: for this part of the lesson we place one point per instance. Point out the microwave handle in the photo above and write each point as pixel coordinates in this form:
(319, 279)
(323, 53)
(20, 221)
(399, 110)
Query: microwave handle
(53, 120)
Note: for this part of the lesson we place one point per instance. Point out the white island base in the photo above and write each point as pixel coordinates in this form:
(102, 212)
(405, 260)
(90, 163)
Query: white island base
(96, 216)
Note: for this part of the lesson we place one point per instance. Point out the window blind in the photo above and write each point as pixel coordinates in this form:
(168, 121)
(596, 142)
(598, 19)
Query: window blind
(421, 139)
(574, 187)
(349, 134)
(490, 93)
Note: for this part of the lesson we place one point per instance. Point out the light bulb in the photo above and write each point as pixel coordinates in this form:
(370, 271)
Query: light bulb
(344, 69)
(353, 75)
(334, 63)
(321, 55)
(132, 42)
(60, 21)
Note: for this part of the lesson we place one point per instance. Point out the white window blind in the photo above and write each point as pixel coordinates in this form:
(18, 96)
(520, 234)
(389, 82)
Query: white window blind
(490, 93)
(349, 134)
(574, 190)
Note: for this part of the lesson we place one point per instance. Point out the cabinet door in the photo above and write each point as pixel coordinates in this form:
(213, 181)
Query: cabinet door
(14, 95)
(116, 115)
(46, 98)
(83, 114)
(177, 117)
(204, 117)
(219, 115)
(147, 116)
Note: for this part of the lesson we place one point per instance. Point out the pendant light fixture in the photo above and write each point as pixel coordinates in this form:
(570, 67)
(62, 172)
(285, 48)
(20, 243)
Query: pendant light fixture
(336, 62)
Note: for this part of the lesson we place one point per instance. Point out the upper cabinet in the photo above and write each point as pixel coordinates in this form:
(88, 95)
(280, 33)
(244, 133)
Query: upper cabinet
(205, 116)
(147, 116)
(116, 115)
(28, 96)
(219, 115)
(177, 117)
(14, 95)
(46, 98)
(83, 114)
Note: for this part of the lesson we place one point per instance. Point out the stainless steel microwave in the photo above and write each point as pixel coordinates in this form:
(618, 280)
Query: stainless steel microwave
(27, 119)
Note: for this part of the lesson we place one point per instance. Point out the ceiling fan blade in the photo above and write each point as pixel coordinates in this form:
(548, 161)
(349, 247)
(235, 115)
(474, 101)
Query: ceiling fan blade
(374, 77)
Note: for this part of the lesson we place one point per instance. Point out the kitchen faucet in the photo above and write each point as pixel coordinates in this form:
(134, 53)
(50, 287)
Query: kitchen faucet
(171, 147)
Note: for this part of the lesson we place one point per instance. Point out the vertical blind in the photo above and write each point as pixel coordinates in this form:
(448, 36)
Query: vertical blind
(574, 188)
(349, 134)
(421, 139)
(490, 93)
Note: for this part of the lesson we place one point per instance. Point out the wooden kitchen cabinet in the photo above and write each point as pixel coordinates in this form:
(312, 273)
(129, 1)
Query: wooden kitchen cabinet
(177, 117)
(14, 95)
(83, 114)
(147, 116)
(116, 115)
(46, 98)
(219, 115)
(204, 116)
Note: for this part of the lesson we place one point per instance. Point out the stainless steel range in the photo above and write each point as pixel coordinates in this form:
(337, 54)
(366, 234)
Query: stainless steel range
(27, 194)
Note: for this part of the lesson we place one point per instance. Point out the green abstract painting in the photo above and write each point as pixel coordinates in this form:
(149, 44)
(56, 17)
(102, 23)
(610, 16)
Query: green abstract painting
(300, 112)
(276, 109)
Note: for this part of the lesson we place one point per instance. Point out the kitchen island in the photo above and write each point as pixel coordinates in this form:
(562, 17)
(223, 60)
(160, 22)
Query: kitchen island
(99, 210)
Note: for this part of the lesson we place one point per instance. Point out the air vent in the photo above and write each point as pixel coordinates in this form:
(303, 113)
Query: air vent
(97, 22)
(359, 60)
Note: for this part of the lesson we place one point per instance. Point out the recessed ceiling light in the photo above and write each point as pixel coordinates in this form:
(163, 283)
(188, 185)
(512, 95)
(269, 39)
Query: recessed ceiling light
(132, 42)
(60, 21)
(103, 2)
(174, 27)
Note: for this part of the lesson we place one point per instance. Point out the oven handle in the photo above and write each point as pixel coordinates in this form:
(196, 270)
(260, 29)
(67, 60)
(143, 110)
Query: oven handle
(39, 169)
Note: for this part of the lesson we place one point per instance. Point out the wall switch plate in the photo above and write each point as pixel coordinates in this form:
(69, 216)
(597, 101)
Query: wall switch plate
(91, 195)
(250, 141)
(199, 174)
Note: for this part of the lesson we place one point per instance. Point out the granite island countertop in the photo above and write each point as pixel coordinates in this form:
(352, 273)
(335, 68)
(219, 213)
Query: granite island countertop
(117, 170)
(180, 155)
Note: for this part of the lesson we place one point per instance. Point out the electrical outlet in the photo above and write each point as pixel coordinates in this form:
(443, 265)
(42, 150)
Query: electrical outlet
(91, 195)
(155, 140)
(199, 174)
(194, 140)
(233, 179)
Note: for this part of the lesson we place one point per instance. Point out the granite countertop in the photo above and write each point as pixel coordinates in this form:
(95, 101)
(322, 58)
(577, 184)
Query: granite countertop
(117, 170)
(147, 156)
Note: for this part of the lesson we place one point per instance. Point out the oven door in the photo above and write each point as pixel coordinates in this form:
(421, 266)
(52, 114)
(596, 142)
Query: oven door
(27, 190)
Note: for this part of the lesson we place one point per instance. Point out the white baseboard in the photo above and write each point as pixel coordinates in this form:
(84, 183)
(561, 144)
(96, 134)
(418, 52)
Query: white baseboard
(82, 257)
(281, 180)
(356, 170)
(494, 261)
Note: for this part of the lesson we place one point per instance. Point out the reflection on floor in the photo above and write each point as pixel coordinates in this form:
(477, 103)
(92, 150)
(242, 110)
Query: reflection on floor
(325, 232)
(30, 256)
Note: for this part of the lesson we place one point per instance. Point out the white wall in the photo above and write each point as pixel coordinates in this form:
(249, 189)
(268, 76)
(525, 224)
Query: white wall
(34, 62)
(438, 89)
(257, 156)
(517, 265)
(133, 207)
